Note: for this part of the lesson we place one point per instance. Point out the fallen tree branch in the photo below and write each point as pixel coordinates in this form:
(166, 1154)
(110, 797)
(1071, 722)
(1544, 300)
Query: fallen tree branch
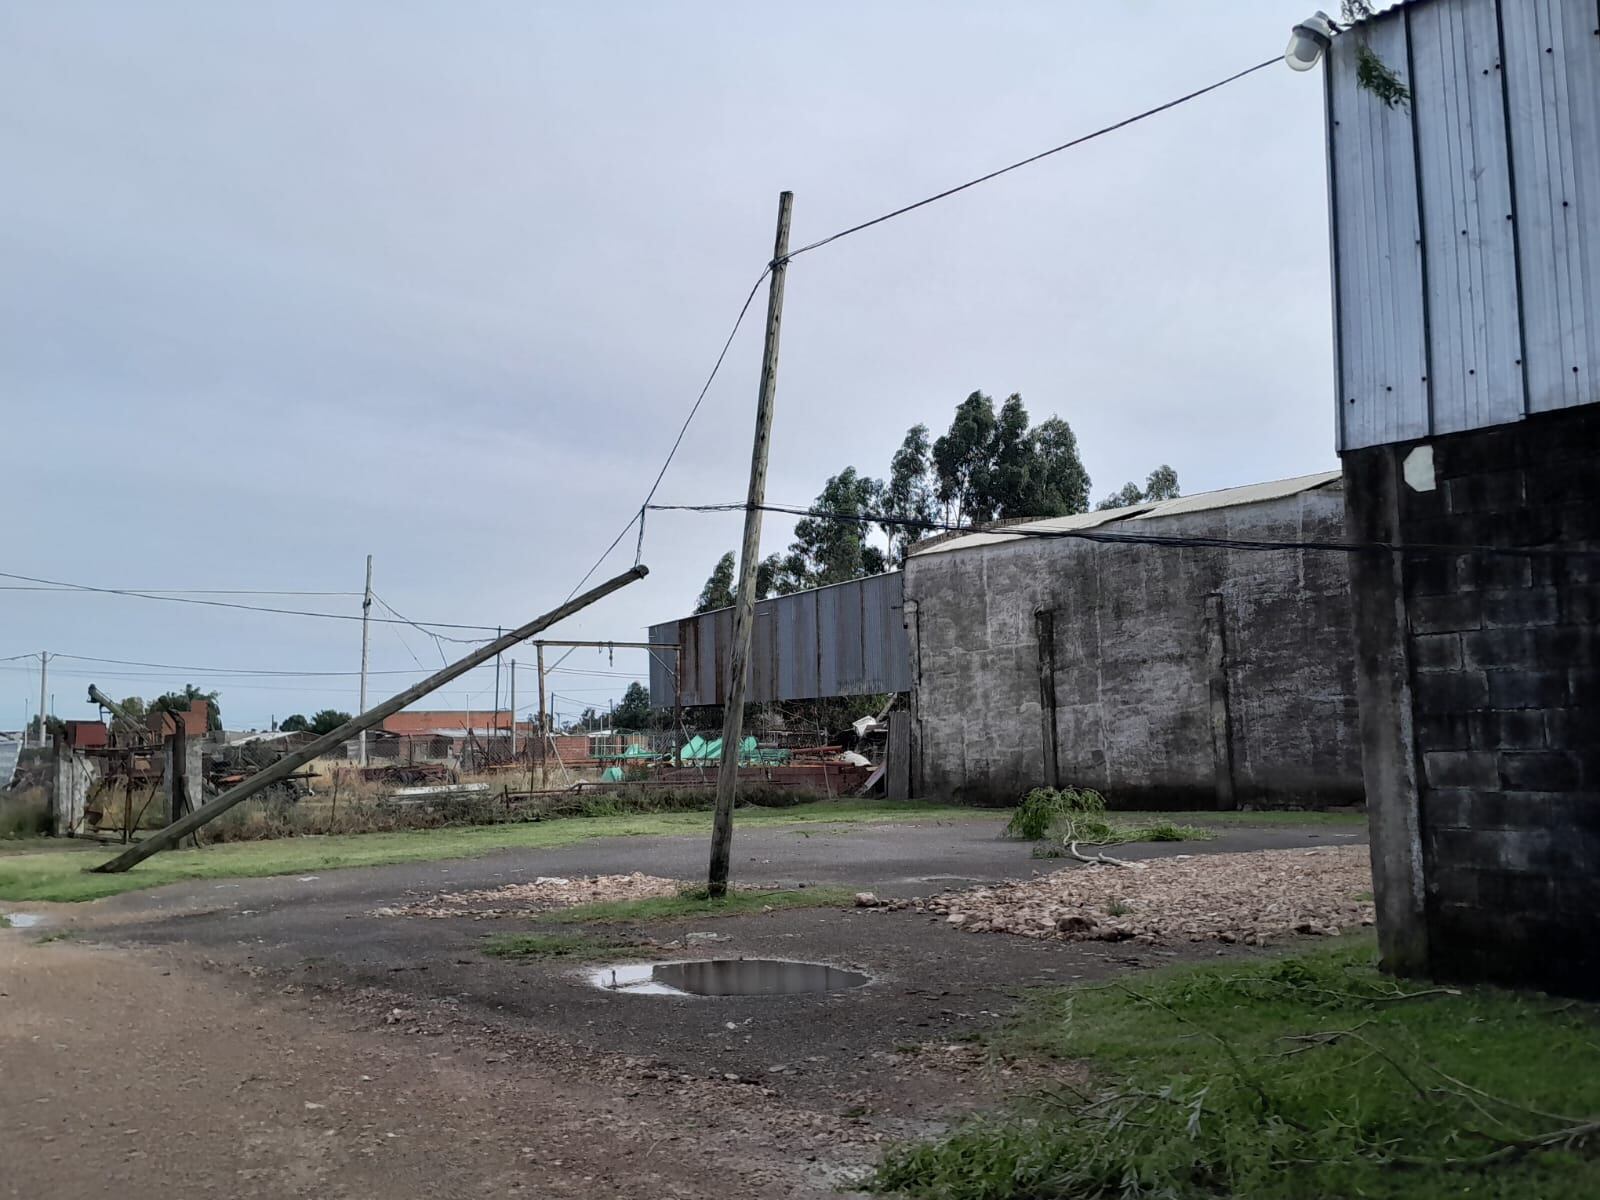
(1100, 859)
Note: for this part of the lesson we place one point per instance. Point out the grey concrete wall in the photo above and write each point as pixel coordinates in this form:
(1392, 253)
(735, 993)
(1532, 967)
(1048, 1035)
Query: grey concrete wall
(73, 777)
(1187, 677)
(1484, 733)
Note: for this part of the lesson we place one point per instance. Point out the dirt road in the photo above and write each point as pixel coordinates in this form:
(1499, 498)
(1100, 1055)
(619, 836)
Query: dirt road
(137, 1075)
(280, 1037)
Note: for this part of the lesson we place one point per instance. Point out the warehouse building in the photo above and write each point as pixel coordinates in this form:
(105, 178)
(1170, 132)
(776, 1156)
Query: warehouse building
(1171, 676)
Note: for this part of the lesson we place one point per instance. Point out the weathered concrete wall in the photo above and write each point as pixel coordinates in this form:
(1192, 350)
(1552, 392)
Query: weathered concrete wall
(73, 777)
(1483, 735)
(1188, 677)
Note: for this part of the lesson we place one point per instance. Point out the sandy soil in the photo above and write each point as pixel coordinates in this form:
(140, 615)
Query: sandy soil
(134, 1074)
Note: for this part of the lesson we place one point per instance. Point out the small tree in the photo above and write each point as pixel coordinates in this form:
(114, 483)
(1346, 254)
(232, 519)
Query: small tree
(294, 723)
(633, 711)
(327, 721)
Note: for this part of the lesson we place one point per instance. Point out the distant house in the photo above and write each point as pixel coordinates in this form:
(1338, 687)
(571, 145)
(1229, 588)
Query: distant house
(195, 722)
(451, 722)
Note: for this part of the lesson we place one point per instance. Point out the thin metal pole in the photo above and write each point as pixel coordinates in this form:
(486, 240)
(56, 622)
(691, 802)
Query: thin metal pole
(366, 611)
(290, 763)
(750, 551)
(513, 708)
(494, 722)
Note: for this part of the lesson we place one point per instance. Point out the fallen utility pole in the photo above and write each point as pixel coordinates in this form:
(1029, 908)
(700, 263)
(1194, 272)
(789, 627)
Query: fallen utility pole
(290, 763)
(612, 645)
(96, 696)
(750, 551)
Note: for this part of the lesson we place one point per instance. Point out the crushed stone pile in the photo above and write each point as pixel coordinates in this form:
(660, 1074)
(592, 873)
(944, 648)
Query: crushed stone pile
(540, 896)
(1247, 898)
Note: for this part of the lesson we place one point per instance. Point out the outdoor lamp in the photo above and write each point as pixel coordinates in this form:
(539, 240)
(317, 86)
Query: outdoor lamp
(1308, 41)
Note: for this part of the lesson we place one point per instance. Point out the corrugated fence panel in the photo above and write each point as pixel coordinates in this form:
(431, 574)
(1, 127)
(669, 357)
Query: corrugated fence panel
(1377, 254)
(662, 664)
(845, 640)
(764, 650)
(1469, 248)
(797, 666)
(1552, 65)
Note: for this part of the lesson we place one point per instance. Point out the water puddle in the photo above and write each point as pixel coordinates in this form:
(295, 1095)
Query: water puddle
(725, 977)
(23, 920)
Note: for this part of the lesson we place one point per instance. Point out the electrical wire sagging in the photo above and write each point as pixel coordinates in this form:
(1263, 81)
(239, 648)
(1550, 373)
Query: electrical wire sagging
(1116, 537)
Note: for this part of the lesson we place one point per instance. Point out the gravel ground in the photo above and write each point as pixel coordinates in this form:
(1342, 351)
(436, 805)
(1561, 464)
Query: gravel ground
(1253, 898)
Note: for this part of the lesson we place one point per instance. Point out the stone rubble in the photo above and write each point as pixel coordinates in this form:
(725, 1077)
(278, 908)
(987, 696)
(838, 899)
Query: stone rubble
(531, 899)
(1244, 898)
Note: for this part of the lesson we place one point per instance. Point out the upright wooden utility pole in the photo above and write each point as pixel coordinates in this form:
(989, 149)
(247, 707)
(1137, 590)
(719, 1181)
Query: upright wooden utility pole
(543, 727)
(366, 612)
(513, 708)
(44, 666)
(745, 602)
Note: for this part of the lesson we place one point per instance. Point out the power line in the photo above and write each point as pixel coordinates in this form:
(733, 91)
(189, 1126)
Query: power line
(1033, 158)
(716, 367)
(59, 585)
(1179, 541)
(639, 517)
(16, 587)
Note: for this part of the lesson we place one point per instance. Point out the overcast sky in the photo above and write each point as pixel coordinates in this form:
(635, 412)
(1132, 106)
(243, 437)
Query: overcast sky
(289, 284)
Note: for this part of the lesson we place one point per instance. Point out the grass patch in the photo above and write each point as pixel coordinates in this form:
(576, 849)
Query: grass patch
(558, 945)
(60, 874)
(694, 902)
(1308, 1076)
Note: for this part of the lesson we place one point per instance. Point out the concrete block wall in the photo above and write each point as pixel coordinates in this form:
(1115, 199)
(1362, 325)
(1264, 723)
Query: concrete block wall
(1137, 712)
(1491, 831)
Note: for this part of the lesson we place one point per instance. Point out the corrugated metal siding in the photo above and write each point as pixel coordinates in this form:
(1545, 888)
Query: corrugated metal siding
(1461, 247)
(1377, 256)
(1469, 251)
(845, 640)
(1552, 61)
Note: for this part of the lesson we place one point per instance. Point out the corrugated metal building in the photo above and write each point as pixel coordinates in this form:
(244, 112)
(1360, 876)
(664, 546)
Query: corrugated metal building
(1464, 276)
(845, 640)
(1466, 256)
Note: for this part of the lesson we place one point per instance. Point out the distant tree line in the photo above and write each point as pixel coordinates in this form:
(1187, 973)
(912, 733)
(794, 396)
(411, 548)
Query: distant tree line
(990, 465)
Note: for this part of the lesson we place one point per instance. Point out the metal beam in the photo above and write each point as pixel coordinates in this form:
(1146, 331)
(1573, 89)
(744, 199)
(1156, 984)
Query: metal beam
(287, 765)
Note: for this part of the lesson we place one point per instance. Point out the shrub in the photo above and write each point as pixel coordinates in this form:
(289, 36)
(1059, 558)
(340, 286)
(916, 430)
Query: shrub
(1043, 808)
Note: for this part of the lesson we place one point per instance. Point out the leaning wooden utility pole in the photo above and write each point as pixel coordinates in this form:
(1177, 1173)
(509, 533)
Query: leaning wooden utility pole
(745, 602)
(366, 610)
(290, 763)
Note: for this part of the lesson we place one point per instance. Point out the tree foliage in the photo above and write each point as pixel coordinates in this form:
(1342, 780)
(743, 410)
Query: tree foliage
(327, 721)
(633, 711)
(993, 466)
(1160, 484)
(910, 493)
(294, 723)
(178, 702)
(718, 591)
(831, 551)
